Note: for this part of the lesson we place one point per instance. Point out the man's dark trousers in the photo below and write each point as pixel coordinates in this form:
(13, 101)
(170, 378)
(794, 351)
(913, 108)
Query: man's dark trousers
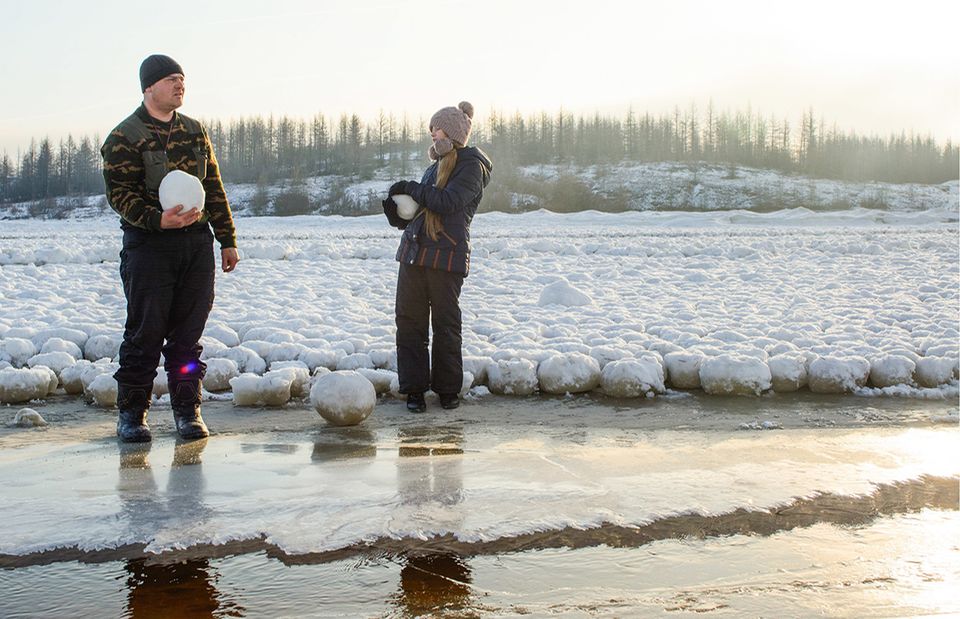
(422, 292)
(168, 280)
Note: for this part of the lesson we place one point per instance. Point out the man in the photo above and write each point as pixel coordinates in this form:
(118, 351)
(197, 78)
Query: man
(166, 264)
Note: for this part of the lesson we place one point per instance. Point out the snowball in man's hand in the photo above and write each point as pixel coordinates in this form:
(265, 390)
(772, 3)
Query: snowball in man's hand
(179, 187)
(406, 206)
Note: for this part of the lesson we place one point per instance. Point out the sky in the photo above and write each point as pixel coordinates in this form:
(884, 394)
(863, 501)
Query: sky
(873, 67)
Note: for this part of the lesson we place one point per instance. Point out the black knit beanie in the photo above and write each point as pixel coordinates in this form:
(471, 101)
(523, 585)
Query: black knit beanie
(156, 67)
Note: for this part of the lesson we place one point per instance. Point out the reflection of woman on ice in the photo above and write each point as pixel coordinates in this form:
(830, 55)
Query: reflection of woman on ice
(434, 258)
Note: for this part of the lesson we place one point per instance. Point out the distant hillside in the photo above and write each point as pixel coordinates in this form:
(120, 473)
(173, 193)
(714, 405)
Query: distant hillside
(622, 187)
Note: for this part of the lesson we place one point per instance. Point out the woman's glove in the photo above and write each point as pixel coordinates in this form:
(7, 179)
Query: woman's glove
(390, 210)
(398, 187)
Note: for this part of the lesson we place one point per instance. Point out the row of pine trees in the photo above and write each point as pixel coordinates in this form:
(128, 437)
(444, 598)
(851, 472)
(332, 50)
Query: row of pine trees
(265, 150)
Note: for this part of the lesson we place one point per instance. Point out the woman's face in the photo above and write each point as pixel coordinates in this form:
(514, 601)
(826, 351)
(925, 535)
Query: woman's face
(437, 134)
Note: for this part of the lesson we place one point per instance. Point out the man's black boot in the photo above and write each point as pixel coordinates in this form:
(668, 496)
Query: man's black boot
(133, 402)
(416, 403)
(185, 399)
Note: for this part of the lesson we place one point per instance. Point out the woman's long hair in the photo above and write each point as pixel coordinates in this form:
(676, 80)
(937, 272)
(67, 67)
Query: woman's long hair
(434, 223)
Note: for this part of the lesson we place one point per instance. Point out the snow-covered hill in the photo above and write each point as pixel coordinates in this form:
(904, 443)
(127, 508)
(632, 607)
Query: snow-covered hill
(709, 187)
(639, 187)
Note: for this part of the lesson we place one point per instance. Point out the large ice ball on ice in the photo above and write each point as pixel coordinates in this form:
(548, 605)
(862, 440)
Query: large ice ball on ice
(343, 398)
(838, 374)
(406, 206)
(890, 370)
(683, 368)
(29, 418)
(512, 376)
(934, 371)
(245, 389)
(788, 372)
(630, 378)
(178, 187)
(23, 385)
(571, 372)
(218, 375)
(104, 390)
(731, 374)
(56, 361)
(380, 379)
(70, 377)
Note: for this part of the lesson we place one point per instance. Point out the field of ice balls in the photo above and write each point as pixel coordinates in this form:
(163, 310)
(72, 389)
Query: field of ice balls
(631, 305)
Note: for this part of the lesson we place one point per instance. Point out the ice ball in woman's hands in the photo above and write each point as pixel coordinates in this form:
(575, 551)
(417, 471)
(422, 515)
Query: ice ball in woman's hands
(406, 206)
(179, 187)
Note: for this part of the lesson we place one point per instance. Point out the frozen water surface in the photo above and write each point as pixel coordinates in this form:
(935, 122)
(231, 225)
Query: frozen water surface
(599, 508)
(334, 488)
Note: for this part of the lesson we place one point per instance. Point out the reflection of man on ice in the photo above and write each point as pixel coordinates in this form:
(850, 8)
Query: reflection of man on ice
(183, 587)
(166, 264)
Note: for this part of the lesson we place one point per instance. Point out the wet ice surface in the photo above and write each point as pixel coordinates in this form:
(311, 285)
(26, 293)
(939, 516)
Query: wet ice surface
(331, 489)
(504, 507)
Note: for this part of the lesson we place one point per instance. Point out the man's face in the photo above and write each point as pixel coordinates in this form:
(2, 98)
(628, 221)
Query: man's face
(167, 94)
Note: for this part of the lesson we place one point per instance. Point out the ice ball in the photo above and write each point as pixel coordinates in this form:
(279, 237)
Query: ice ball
(406, 206)
(179, 187)
(571, 372)
(512, 376)
(28, 418)
(344, 397)
(104, 390)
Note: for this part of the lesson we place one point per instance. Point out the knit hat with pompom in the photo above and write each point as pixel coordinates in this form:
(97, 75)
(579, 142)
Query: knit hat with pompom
(456, 122)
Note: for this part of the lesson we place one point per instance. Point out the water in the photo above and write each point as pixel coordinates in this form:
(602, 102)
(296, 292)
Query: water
(536, 507)
(903, 564)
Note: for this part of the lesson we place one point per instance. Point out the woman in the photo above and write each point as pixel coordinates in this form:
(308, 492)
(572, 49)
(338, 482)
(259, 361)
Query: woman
(434, 258)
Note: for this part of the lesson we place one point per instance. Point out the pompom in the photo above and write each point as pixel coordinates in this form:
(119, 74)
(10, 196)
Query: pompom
(467, 108)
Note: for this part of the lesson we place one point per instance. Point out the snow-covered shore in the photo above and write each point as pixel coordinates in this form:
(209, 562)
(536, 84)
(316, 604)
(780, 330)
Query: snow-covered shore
(638, 304)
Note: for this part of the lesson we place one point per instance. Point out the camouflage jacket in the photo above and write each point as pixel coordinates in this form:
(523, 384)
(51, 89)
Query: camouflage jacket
(137, 155)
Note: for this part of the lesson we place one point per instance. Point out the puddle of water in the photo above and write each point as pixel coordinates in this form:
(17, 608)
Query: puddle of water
(888, 567)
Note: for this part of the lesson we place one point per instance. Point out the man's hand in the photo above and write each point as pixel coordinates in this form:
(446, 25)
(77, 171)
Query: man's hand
(178, 218)
(229, 257)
